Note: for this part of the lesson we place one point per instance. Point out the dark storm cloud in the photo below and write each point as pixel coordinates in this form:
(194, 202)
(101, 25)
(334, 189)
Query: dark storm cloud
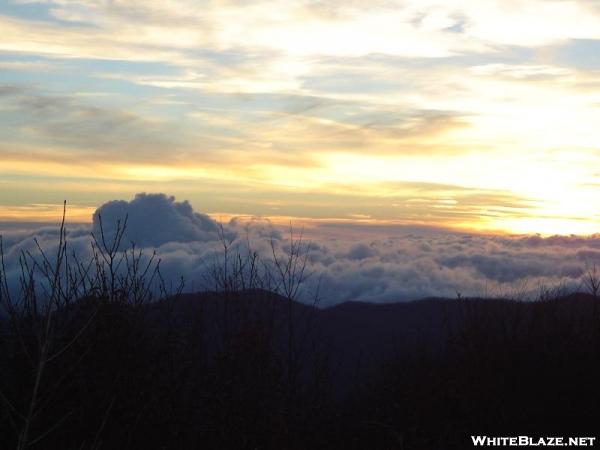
(154, 220)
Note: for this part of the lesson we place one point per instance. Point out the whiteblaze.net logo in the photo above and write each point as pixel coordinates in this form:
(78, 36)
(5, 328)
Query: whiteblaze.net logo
(528, 441)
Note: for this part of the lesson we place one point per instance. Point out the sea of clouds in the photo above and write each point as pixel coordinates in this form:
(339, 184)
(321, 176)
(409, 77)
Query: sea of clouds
(391, 264)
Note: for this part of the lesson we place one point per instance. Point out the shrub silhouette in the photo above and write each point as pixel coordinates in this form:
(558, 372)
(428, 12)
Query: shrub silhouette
(101, 354)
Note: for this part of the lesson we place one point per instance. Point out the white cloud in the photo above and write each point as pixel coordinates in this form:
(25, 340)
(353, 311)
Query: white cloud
(413, 263)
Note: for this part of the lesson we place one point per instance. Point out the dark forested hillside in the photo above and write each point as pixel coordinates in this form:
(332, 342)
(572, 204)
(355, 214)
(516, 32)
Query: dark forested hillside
(252, 369)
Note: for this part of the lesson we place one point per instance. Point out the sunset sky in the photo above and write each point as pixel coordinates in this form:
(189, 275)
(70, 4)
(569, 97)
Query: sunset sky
(471, 114)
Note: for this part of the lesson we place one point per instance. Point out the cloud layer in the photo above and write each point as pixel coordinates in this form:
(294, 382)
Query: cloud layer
(381, 265)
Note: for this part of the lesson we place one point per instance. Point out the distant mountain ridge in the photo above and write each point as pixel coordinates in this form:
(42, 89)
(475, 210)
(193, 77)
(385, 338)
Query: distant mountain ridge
(252, 369)
(366, 335)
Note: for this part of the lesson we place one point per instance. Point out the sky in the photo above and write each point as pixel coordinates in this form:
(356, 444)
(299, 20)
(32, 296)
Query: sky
(477, 115)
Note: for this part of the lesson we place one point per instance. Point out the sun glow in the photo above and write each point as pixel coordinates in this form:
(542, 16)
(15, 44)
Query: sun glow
(546, 198)
(415, 111)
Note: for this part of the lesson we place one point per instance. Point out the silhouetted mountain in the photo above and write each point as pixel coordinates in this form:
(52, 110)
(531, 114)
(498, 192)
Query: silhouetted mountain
(254, 370)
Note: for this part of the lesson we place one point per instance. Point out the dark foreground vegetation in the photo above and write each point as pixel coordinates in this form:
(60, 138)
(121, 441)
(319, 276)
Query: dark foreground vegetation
(101, 355)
